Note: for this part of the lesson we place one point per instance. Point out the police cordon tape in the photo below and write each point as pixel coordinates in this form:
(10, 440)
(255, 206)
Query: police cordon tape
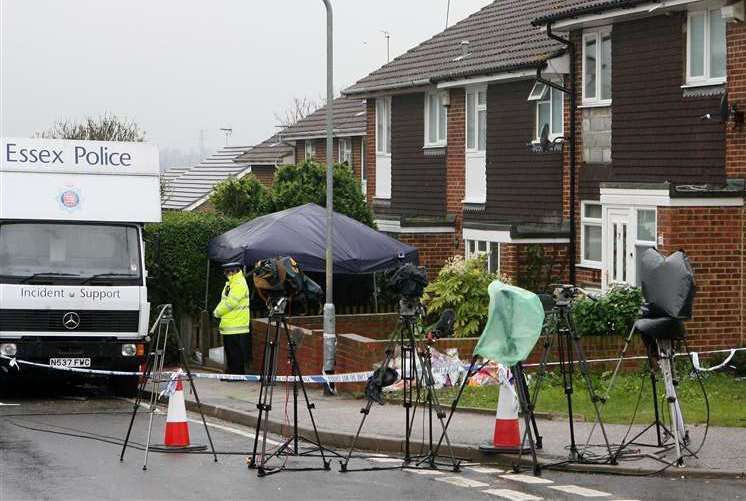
(350, 377)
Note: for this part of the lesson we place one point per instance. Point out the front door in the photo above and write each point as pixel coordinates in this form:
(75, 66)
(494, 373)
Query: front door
(618, 248)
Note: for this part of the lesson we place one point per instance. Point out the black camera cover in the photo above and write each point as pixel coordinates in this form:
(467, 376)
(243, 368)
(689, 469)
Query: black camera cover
(668, 283)
(408, 281)
(281, 276)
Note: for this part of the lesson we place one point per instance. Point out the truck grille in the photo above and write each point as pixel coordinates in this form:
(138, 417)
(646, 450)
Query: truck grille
(55, 320)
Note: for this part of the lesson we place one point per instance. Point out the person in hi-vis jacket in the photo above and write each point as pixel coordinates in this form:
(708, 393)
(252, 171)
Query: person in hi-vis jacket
(234, 315)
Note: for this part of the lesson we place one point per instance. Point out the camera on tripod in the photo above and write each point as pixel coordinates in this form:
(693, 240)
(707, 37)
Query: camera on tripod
(408, 282)
(564, 294)
(279, 281)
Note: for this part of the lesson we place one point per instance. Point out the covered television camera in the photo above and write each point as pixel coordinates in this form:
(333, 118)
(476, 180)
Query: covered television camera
(408, 281)
(668, 287)
(278, 277)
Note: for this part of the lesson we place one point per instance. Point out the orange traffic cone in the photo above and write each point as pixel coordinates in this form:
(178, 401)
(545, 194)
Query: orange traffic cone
(506, 437)
(177, 427)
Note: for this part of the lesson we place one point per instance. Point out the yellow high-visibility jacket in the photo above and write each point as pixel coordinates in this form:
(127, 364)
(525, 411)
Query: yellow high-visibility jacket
(233, 310)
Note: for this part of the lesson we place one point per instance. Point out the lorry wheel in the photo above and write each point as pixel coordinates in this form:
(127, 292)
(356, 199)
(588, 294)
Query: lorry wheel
(124, 386)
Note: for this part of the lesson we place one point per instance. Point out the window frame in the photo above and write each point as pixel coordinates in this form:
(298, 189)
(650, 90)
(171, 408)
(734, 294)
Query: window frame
(489, 245)
(348, 149)
(383, 107)
(475, 118)
(596, 34)
(704, 79)
(309, 150)
(547, 100)
(439, 142)
(590, 221)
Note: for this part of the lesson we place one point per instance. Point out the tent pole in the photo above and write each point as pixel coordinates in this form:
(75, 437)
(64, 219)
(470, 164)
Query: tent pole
(330, 337)
(375, 293)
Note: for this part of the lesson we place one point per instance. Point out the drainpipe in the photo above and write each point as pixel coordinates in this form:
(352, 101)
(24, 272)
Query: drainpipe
(570, 90)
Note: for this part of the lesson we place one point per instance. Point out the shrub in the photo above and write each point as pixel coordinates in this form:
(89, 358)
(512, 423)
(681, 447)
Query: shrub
(306, 182)
(612, 313)
(180, 279)
(244, 198)
(462, 285)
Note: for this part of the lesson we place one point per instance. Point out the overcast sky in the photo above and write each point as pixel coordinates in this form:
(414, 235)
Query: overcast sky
(180, 66)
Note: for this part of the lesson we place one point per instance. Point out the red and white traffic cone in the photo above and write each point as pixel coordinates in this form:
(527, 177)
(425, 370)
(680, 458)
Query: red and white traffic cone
(177, 427)
(506, 437)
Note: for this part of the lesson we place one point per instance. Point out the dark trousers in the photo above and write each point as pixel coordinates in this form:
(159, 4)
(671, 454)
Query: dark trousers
(237, 353)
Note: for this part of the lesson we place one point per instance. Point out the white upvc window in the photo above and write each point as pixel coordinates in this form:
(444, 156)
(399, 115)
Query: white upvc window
(476, 119)
(597, 67)
(436, 119)
(310, 149)
(383, 148)
(591, 234)
(383, 126)
(705, 48)
(645, 235)
(549, 110)
(474, 248)
(345, 151)
(363, 171)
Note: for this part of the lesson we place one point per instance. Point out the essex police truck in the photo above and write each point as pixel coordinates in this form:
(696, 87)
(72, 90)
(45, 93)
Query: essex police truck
(72, 268)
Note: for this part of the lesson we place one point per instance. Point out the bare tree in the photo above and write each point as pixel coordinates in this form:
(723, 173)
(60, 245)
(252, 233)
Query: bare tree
(298, 109)
(106, 127)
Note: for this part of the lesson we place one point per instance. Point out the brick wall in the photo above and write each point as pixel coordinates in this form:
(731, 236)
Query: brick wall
(265, 174)
(516, 263)
(455, 159)
(434, 249)
(710, 236)
(320, 144)
(735, 139)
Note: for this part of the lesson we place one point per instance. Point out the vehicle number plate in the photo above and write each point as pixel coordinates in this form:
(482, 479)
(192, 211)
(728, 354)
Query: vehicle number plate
(70, 362)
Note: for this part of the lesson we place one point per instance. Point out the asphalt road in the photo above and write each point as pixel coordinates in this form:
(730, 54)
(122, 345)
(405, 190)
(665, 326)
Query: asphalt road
(41, 458)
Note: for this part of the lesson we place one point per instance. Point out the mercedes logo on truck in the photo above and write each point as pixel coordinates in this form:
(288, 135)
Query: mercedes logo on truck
(71, 320)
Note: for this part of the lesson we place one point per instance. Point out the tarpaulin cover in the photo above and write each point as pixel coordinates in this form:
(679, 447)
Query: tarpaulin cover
(668, 283)
(300, 232)
(514, 324)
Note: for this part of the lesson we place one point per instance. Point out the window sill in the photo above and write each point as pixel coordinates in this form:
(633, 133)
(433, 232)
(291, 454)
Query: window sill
(434, 146)
(593, 265)
(595, 104)
(704, 83)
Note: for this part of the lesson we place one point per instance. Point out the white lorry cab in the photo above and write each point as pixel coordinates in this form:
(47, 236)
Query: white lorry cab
(72, 258)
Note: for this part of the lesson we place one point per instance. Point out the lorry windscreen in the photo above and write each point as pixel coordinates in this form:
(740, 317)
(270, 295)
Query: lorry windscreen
(69, 253)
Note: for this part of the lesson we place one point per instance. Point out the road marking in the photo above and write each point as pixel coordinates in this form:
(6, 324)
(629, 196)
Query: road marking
(526, 479)
(485, 469)
(462, 482)
(423, 472)
(580, 491)
(386, 460)
(512, 495)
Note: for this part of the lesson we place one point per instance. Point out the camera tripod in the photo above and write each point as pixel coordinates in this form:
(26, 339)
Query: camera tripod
(154, 374)
(278, 320)
(568, 348)
(409, 316)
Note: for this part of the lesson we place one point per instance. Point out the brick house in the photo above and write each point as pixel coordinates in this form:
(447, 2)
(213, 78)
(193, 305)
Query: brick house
(656, 164)
(308, 135)
(457, 165)
(453, 163)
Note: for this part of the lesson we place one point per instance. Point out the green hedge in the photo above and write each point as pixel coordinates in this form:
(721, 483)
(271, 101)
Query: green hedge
(180, 279)
(612, 313)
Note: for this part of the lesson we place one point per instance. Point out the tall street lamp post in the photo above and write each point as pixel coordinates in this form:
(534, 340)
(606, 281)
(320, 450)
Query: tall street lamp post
(330, 336)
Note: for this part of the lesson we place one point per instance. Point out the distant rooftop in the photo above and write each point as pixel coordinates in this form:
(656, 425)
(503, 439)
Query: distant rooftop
(270, 152)
(349, 120)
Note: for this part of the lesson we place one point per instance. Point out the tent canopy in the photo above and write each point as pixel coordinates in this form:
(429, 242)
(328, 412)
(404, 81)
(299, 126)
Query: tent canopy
(300, 232)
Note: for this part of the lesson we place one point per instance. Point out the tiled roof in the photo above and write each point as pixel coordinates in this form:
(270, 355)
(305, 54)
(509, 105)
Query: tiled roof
(349, 120)
(501, 38)
(563, 9)
(197, 183)
(270, 152)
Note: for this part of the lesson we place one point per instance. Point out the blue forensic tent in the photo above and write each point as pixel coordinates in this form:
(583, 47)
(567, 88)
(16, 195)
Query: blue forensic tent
(300, 232)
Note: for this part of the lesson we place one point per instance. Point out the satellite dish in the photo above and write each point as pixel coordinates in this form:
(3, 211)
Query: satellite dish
(724, 109)
(544, 138)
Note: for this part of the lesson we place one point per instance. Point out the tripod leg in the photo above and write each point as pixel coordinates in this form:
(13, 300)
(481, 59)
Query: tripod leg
(266, 358)
(272, 373)
(160, 358)
(666, 363)
(138, 400)
(528, 416)
(187, 369)
(299, 381)
(454, 404)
